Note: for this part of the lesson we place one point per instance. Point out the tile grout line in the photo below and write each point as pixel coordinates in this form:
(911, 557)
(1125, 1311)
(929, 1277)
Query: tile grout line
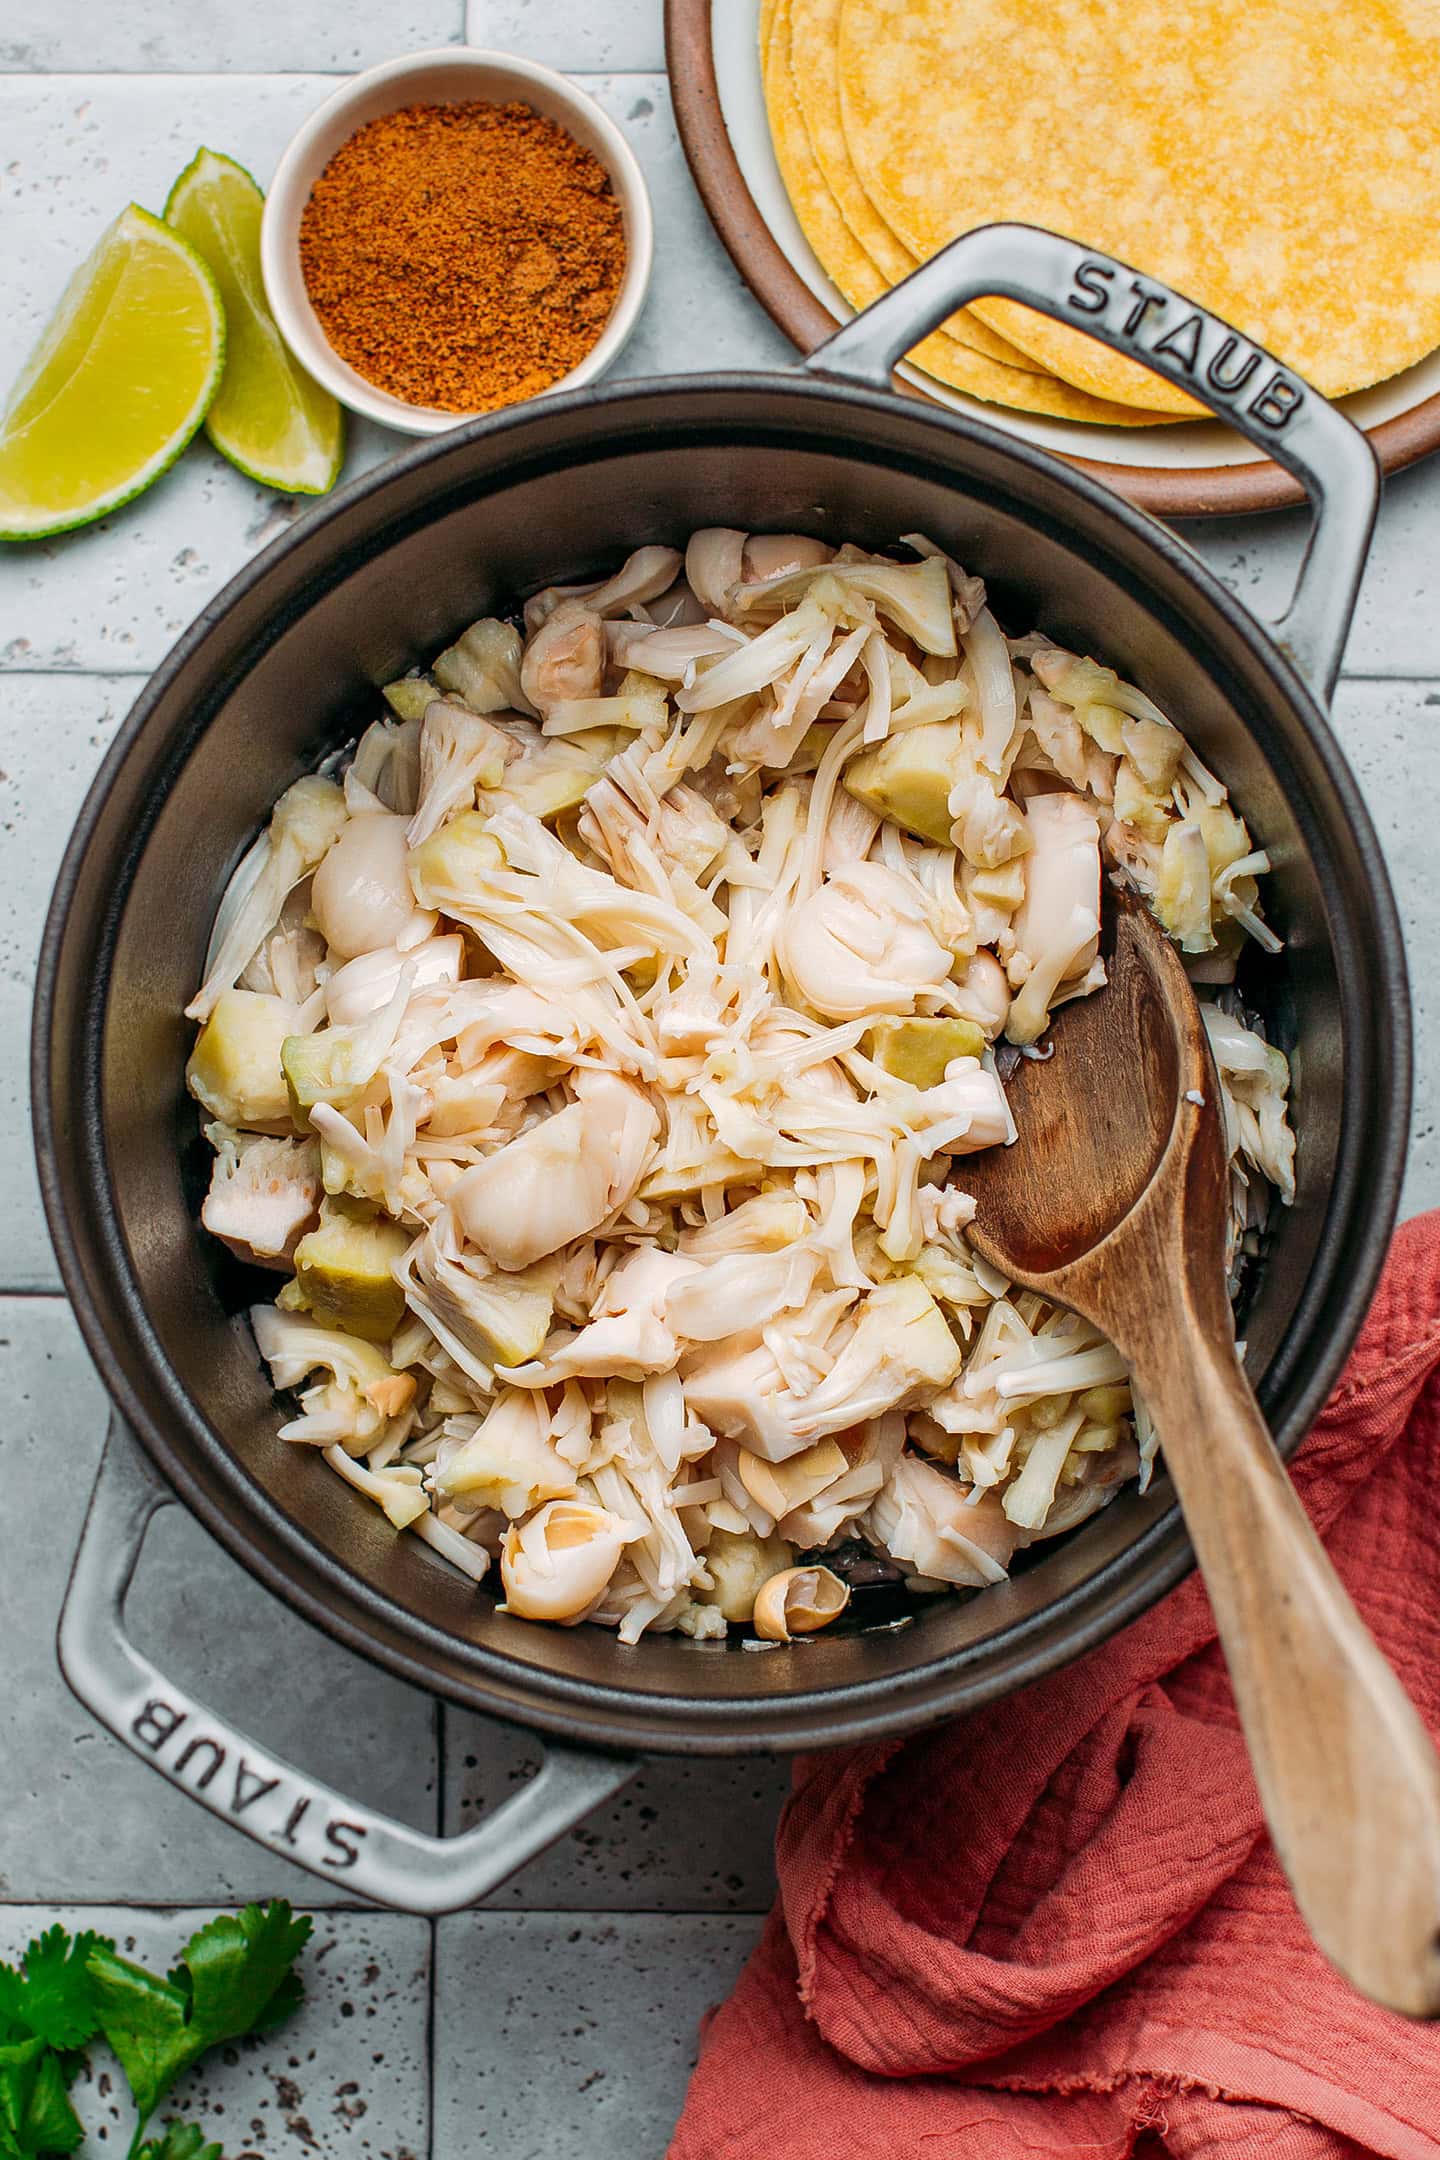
(442, 1735)
(512, 1914)
(223, 1901)
(219, 73)
(431, 2017)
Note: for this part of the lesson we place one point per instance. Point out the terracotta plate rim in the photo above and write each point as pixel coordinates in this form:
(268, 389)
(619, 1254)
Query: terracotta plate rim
(1168, 491)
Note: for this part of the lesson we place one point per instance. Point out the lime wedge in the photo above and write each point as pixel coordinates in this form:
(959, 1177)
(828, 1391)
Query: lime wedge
(269, 417)
(120, 380)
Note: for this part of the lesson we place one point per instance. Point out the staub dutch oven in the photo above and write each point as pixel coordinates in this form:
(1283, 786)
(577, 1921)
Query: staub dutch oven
(281, 668)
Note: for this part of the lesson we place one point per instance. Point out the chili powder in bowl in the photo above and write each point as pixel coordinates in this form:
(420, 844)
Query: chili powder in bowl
(453, 232)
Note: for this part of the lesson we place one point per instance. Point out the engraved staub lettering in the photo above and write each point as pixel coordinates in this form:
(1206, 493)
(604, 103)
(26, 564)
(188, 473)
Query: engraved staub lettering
(246, 1794)
(1144, 301)
(191, 1748)
(342, 1853)
(1183, 343)
(1275, 403)
(158, 1722)
(1222, 375)
(293, 1821)
(1091, 289)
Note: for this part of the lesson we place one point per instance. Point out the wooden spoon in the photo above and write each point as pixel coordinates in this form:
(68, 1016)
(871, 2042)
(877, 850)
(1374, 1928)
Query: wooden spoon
(1114, 1201)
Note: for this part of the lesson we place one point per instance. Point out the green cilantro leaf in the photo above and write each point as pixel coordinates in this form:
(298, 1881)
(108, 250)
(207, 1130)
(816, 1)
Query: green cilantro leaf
(35, 2111)
(179, 2141)
(234, 1978)
(144, 2021)
(52, 1997)
(240, 1971)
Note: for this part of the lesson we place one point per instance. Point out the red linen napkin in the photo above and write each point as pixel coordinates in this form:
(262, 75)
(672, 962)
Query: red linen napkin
(1057, 1926)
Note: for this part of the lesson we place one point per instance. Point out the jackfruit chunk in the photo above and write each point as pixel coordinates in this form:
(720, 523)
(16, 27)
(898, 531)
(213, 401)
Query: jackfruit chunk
(513, 1312)
(909, 778)
(343, 1180)
(329, 1067)
(557, 774)
(343, 1272)
(739, 1562)
(235, 1068)
(411, 696)
(451, 863)
(919, 1050)
(483, 666)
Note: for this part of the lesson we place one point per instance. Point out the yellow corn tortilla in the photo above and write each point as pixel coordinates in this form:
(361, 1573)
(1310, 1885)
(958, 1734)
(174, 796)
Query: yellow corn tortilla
(1280, 164)
(844, 260)
(815, 82)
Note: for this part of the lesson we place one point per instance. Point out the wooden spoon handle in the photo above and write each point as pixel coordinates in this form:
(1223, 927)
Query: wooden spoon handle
(1347, 1774)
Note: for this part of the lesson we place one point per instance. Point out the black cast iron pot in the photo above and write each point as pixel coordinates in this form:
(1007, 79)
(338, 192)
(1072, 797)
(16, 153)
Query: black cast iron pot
(281, 667)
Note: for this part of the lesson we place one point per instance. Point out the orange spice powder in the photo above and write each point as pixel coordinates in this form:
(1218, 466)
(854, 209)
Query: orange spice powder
(462, 256)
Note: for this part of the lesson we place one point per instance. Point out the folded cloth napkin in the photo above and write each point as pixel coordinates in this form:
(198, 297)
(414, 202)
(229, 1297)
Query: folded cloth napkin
(1058, 1926)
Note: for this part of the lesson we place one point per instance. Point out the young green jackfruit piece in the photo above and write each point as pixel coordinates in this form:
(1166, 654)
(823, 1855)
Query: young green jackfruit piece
(907, 1319)
(1107, 1405)
(639, 702)
(1140, 805)
(411, 697)
(454, 860)
(343, 1272)
(483, 667)
(343, 1182)
(322, 1068)
(909, 777)
(235, 1068)
(919, 1050)
(558, 774)
(513, 1312)
(739, 1562)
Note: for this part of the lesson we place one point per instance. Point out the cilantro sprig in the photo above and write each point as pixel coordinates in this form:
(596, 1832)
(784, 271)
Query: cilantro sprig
(235, 1977)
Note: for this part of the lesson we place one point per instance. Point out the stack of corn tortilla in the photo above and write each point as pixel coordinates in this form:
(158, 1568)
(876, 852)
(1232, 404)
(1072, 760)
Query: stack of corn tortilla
(1280, 165)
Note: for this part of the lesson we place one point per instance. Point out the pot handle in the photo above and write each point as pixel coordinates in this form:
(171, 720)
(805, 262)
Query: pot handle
(295, 1816)
(1190, 348)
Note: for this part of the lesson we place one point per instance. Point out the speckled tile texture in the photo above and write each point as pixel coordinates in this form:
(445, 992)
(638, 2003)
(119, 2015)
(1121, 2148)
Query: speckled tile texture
(348, 2076)
(559, 2020)
(601, 2011)
(625, 34)
(183, 37)
(627, 1856)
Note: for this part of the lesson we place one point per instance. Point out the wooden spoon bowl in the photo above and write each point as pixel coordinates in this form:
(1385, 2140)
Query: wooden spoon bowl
(1115, 1201)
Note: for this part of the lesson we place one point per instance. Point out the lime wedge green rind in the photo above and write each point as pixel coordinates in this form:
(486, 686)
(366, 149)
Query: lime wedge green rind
(269, 418)
(119, 381)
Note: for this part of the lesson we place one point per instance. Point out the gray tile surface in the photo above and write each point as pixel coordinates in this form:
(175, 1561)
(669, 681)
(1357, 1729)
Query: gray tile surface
(1390, 731)
(602, 2013)
(192, 36)
(80, 1817)
(684, 1837)
(622, 34)
(345, 2079)
(1397, 627)
(56, 729)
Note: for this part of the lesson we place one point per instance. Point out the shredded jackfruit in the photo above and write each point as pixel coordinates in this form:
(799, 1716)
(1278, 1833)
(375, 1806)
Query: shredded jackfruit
(627, 1011)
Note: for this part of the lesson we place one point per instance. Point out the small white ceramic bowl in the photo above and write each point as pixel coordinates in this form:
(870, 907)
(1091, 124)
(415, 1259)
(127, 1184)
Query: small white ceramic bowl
(439, 78)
